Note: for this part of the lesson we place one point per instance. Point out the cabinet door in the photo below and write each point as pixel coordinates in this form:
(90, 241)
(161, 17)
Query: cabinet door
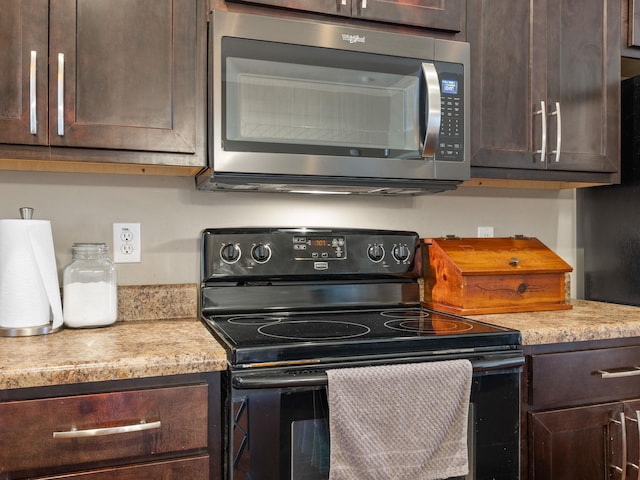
(531, 56)
(505, 90)
(583, 77)
(332, 7)
(123, 74)
(23, 74)
(630, 35)
(440, 14)
(575, 443)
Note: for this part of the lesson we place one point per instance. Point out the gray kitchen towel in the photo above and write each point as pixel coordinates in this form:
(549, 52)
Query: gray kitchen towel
(399, 422)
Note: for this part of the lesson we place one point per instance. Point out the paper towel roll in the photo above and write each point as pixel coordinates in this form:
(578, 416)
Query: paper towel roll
(29, 287)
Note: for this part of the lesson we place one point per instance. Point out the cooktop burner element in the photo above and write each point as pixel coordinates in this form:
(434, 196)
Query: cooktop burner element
(427, 326)
(422, 322)
(314, 330)
(282, 296)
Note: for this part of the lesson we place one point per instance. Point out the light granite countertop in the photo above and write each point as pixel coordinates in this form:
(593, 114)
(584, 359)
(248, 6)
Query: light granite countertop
(158, 333)
(587, 320)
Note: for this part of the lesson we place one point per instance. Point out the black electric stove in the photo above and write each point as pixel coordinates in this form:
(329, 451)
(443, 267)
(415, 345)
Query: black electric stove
(311, 296)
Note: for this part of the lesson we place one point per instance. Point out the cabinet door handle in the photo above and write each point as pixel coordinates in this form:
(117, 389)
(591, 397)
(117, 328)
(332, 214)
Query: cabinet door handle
(61, 94)
(344, 2)
(558, 132)
(364, 3)
(432, 128)
(33, 119)
(637, 428)
(96, 432)
(623, 433)
(632, 372)
(543, 116)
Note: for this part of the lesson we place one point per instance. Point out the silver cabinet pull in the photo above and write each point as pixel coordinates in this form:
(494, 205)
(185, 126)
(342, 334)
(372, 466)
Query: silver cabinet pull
(96, 432)
(558, 132)
(344, 2)
(364, 3)
(632, 372)
(33, 119)
(637, 429)
(623, 433)
(433, 110)
(61, 94)
(543, 146)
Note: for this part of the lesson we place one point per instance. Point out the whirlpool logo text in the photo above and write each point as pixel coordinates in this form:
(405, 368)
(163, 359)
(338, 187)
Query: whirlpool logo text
(352, 38)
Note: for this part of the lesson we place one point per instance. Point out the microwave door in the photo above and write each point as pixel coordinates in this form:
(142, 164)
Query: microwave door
(432, 111)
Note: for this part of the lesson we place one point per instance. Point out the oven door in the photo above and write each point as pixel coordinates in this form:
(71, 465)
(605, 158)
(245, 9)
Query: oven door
(278, 425)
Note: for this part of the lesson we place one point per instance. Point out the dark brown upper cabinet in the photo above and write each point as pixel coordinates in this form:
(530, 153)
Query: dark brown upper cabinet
(24, 49)
(437, 14)
(545, 83)
(125, 75)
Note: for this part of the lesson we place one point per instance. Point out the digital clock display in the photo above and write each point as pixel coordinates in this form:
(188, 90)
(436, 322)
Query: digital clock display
(449, 86)
(319, 248)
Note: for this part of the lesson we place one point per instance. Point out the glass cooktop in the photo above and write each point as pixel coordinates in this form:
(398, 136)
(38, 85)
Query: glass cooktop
(319, 336)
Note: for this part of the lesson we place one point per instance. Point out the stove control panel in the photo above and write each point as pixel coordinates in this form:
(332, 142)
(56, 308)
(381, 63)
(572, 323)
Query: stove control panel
(268, 253)
(319, 247)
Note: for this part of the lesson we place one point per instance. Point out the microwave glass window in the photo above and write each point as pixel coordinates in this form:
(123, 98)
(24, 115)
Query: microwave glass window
(345, 103)
(298, 104)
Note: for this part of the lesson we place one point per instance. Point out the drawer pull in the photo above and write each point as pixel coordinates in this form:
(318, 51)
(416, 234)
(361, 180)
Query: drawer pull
(633, 372)
(96, 432)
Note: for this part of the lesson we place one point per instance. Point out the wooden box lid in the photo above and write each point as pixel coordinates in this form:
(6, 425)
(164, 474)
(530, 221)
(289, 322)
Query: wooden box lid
(498, 256)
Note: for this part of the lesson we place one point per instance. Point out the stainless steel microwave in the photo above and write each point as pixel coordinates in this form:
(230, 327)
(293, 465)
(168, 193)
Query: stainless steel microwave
(311, 107)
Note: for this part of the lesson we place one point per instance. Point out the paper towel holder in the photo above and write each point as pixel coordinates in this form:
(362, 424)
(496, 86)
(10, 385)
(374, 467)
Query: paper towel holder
(26, 213)
(30, 331)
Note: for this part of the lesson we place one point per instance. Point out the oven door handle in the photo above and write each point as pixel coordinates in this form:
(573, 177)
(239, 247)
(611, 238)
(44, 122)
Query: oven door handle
(319, 379)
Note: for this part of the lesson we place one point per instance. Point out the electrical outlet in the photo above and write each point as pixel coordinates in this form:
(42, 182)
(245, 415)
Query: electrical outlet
(126, 243)
(485, 232)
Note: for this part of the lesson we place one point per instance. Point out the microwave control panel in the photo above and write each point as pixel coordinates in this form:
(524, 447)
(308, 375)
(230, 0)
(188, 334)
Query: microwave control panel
(451, 139)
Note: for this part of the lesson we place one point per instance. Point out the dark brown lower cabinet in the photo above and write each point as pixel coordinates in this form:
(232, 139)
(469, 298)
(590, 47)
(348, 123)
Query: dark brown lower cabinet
(163, 428)
(577, 443)
(581, 411)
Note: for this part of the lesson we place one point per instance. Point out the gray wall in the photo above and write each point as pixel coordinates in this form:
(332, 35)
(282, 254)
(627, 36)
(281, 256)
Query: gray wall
(83, 207)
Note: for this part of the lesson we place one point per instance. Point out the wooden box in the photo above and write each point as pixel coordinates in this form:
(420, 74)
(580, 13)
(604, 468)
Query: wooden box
(470, 276)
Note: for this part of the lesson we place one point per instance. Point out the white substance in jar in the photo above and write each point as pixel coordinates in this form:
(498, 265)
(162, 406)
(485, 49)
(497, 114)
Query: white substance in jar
(90, 304)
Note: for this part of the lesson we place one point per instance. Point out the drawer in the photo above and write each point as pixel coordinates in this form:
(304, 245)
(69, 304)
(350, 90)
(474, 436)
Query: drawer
(581, 377)
(187, 468)
(81, 429)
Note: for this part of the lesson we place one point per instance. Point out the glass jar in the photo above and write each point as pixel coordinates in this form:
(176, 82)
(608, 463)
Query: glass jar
(90, 290)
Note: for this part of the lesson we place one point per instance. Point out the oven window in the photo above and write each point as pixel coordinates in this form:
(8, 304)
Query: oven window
(309, 449)
(280, 434)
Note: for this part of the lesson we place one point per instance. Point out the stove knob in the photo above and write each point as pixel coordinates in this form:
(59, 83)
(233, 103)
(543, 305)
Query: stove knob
(230, 253)
(401, 253)
(375, 252)
(261, 253)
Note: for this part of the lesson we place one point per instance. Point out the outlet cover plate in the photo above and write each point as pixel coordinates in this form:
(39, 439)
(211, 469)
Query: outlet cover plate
(126, 243)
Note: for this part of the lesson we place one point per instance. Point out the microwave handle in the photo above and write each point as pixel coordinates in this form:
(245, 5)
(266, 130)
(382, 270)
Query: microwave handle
(432, 110)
